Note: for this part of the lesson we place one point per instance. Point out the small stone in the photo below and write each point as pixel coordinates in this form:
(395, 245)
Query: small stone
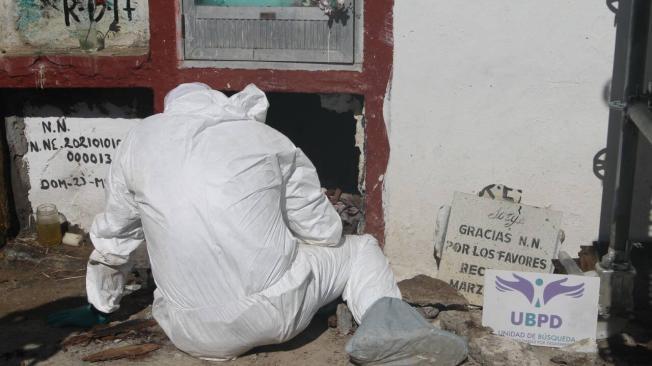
(332, 321)
(345, 321)
(18, 319)
(145, 314)
(581, 353)
(31, 346)
(470, 362)
(461, 323)
(13, 284)
(490, 350)
(424, 290)
(628, 340)
(647, 345)
(428, 312)
(10, 255)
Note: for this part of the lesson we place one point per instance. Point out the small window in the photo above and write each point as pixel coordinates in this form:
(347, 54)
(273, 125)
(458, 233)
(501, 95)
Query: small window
(268, 30)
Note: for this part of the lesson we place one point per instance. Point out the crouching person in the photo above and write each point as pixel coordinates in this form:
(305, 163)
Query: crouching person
(243, 244)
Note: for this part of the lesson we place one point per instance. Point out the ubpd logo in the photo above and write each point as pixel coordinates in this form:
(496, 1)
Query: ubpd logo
(528, 289)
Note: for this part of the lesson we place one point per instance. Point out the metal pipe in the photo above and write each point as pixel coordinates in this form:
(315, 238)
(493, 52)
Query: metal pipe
(633, 20)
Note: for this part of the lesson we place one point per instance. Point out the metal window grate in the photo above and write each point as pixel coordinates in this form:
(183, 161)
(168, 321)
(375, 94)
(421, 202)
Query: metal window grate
(284, 34)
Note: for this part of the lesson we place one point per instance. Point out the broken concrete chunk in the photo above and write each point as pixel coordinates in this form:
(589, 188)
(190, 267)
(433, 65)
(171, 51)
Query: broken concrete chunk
(491, 350)
(462, 323)
(345, 322)
(424, 290)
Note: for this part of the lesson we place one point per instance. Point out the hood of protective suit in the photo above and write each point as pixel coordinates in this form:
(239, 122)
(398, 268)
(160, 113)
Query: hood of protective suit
(198, 98)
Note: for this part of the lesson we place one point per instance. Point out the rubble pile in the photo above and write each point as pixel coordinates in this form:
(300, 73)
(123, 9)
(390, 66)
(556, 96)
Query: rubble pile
(349, 207)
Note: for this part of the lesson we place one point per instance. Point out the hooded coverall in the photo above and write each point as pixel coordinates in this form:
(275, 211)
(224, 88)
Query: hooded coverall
(244, 246)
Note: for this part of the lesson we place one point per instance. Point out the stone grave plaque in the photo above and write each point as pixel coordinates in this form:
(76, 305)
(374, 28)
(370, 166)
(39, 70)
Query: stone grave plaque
(68, 160)
(487, 234)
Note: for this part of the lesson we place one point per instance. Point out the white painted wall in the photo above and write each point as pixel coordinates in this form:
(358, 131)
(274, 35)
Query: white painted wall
(499, 91)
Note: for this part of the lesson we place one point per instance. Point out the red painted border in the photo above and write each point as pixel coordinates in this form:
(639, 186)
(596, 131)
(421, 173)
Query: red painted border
(160, 71)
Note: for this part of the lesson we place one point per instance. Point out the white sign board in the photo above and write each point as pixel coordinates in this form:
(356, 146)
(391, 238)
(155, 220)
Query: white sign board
(487, 234)
(539, 308)
(68, 160)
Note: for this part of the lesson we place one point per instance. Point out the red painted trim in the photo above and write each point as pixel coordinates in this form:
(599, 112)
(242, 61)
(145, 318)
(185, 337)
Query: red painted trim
(160, 71)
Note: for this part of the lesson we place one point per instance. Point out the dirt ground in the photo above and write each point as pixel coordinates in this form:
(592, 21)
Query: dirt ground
(35, 282)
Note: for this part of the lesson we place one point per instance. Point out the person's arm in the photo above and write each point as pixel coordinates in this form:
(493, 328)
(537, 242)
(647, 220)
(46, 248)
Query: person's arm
(310, 215)
(115, 234)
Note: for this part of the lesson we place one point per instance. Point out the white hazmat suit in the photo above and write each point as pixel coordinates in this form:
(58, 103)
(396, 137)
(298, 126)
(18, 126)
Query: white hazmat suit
(243, 244)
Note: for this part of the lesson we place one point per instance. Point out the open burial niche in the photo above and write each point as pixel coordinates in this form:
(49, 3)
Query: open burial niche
(61, 144)
(329, 128)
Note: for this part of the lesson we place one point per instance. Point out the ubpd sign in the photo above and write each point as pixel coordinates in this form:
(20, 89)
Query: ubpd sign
(541, 309)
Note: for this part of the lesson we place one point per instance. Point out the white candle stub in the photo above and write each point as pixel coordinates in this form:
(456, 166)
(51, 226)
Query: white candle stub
(71, 239)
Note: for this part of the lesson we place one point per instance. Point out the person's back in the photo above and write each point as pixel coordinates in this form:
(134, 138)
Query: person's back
(226, 177)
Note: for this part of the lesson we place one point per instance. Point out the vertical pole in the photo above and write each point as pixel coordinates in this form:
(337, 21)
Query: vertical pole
(5, 180)
(633, 21)
(622, 204)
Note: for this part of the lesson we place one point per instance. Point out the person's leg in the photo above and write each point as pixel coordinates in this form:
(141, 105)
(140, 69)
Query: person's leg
(370, 277)
(357, 270)
(390, 332)
(393, 333)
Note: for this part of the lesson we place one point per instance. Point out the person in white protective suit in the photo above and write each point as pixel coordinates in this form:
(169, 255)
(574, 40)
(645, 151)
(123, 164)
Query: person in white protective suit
(244, 246)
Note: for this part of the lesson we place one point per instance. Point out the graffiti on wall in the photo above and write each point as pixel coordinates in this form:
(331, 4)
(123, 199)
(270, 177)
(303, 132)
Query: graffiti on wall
(90, 25)
(501, 192)
(94, 10)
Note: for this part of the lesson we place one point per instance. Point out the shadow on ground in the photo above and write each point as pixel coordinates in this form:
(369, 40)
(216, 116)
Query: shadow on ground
(27, 339)
(317, 327)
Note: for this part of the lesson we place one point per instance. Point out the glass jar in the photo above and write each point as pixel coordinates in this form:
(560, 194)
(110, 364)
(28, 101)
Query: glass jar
(48, 227)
